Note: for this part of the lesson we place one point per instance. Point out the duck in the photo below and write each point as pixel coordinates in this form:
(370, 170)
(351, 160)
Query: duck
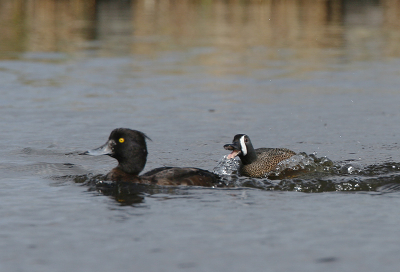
(129, 148)
(256, 163)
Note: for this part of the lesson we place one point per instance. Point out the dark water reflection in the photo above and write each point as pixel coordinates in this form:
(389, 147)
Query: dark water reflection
(126, 193)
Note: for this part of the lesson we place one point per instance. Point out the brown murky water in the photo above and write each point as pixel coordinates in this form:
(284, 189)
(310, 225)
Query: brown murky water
(312, 76)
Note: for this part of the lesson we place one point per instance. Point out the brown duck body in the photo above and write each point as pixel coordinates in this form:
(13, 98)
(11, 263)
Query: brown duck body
(267, 160)
(180, 176)
(167, 176)
(129, 148)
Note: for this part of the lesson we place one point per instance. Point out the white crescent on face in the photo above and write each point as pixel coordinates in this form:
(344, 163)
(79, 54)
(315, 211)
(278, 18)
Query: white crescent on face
(243, 145)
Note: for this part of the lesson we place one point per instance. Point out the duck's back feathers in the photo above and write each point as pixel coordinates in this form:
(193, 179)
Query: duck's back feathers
(167, 176)
(271, 153)
(267, 159)
(180, 176)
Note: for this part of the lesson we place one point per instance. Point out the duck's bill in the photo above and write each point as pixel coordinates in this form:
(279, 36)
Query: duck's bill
(102, 150)
(235, 150)
(234, 154)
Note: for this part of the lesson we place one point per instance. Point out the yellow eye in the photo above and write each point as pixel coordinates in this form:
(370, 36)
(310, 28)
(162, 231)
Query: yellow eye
(121, 140)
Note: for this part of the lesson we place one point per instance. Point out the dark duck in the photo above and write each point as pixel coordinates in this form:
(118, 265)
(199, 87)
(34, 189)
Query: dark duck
(129, 148)
(256, 163)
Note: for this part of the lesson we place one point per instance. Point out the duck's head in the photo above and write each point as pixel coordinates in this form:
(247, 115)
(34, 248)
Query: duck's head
(128, 147)
(241, 146)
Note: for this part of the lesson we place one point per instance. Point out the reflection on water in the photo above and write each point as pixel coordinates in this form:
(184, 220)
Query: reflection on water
(349, 29)
(44, 26)
(126, 193)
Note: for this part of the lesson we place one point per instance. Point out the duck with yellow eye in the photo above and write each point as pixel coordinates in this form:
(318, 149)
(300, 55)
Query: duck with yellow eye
(129, 148)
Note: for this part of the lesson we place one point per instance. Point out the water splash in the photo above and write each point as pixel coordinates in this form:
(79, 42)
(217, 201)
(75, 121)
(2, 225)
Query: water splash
(302, 161)
(230, 168)
(302, 173)
(310, 173)
(227, 169)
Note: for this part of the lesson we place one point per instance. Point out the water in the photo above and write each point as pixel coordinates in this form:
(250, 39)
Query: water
(319, 78)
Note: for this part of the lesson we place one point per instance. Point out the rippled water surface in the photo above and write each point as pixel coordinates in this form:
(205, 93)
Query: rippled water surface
(318, 77)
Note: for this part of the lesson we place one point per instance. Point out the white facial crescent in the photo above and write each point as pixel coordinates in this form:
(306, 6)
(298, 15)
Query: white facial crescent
(243, 145)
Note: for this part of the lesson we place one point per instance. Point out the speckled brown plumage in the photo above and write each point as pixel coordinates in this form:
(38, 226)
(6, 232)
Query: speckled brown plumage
(256, 163)
(267, 159)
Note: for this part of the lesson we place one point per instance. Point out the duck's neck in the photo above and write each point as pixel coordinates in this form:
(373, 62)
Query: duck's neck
(130, 168)
(117, 174)
(132, 165)
(250, 157)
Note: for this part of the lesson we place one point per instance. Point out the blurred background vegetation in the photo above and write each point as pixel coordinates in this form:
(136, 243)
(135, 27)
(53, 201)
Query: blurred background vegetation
(142, 26)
